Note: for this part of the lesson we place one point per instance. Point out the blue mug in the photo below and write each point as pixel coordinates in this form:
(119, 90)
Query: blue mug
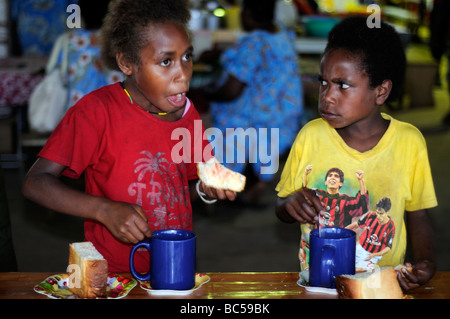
(172, 259)
(331, 254)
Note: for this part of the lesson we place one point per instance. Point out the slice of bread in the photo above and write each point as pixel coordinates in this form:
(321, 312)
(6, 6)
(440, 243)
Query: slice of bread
(381, 283)
(400, 267)
(89, 271)
(214, 174)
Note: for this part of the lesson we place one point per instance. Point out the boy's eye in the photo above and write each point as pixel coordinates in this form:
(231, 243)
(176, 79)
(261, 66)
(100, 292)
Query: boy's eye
(188, 57)
(165, 62)
(344, 86)
(322, 82)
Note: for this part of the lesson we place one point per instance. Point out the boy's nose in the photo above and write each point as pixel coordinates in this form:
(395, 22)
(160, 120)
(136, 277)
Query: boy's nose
(184, 73)
(328, 95)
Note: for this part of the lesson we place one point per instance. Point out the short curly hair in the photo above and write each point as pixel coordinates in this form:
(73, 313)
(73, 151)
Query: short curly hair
(127, 21)
(380, 49)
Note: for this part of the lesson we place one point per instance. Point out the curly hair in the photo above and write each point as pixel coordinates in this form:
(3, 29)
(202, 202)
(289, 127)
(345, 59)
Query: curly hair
(125, 26)
(380, 50)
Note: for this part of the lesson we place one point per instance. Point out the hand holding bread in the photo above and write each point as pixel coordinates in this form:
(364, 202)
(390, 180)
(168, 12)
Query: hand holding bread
(411, 276)
(216, 193)
(384, 282)
(219, 182)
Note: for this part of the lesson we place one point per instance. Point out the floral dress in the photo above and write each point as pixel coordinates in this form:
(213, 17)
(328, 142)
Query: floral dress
(271, 104)
(85, 70)
(39, 23)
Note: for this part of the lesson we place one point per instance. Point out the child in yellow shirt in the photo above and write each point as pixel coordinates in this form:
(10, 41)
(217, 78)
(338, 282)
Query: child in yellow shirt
(361, 69)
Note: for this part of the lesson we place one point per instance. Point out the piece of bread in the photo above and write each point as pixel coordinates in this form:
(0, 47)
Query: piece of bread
(381, 283)
(214, 174)
(89, 271)
(399, 268)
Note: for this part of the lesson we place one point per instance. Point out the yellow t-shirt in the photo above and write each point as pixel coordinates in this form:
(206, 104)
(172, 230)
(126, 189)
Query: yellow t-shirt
(397, 168)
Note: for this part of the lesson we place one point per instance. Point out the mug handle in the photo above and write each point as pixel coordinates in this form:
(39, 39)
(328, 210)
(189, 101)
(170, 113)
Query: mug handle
(327, 261)
(139, 276)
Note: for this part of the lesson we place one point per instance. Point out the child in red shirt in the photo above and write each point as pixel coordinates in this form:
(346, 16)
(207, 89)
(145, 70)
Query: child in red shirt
(121, 137)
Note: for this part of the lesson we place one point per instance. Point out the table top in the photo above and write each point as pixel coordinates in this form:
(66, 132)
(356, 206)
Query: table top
(245, 285)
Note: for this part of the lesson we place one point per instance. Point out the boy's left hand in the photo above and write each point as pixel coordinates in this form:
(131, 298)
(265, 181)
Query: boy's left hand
(217, 193)
(421, 273)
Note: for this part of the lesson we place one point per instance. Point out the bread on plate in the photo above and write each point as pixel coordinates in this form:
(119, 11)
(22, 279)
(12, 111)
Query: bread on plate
(381, 283)
(89, 271)
(214, 174)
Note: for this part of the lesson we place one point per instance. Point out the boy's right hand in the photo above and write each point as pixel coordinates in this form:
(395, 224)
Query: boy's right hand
(303, 206)
(127, 222)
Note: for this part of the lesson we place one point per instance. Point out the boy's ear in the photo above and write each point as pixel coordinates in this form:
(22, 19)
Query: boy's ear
(125, 66)
(383, 91)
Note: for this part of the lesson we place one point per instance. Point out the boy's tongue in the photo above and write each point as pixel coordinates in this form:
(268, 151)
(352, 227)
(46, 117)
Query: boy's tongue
(177, 99)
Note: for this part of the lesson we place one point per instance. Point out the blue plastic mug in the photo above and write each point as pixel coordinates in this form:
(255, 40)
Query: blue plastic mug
(331, 254)
(172, 259)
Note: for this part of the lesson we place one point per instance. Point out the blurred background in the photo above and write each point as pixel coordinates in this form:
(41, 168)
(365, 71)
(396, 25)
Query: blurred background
(231, 237)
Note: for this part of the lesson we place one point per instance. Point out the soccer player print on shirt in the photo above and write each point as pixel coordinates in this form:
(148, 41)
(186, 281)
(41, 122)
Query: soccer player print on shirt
(340, 208)
(160, 185)
(377, 231)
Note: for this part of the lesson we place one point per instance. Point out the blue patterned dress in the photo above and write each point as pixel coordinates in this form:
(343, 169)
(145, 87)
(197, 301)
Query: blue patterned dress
(39, 23)
(86, 72)
(272, 99)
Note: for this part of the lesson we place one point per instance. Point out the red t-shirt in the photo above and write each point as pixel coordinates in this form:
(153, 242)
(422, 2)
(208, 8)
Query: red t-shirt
(126, 155)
